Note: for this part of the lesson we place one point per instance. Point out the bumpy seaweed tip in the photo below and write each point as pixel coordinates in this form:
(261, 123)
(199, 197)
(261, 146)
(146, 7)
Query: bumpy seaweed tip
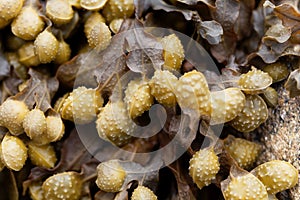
(254, 113)
(204, 165)
(254, 81)
(110, 176)
(277, 175)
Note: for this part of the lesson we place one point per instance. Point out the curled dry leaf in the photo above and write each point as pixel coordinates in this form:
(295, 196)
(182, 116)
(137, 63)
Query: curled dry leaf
(94, 67)
(227, 79)
(104, 67)
(40, 91)
(212, 31)
(182, 130)
(278, 32)
(144, 174)
(186, 188)
(279, 25)
(209, 3)
(293, 83)
(145, 52)
(271, 52)
(4, 65)
(143, 5)
(85, 66)
(243, 22)
(292, 51)
(73, 154)
(289, 14)
(104, 196)
(10, 86)
(9, 189)
(258, 21)
(226, 13)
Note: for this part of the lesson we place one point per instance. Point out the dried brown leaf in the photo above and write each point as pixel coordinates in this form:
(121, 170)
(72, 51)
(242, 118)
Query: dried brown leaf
(68, 29)
(145, 175)
(93, 67)
(276, 24)
(143, 5)
(225, 49)
(182, 132)
(226, 13)
(88, 169)
(36, 174)
(195, 2)
(123, 195)
(230, 77)
(289, 14)
(258, 20)
(145, 51)
(104, 67)
(66, 73)
(226, 162)
(212, 31)
(271, 52)
(4, 64)
(104, 196)
(10, 85)
(293, 83)
(292, 50)
(39, 91)
(8, 189)
(277, 32)
(243, 26)
(186, 188)
(73, 154)
(88, 175)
